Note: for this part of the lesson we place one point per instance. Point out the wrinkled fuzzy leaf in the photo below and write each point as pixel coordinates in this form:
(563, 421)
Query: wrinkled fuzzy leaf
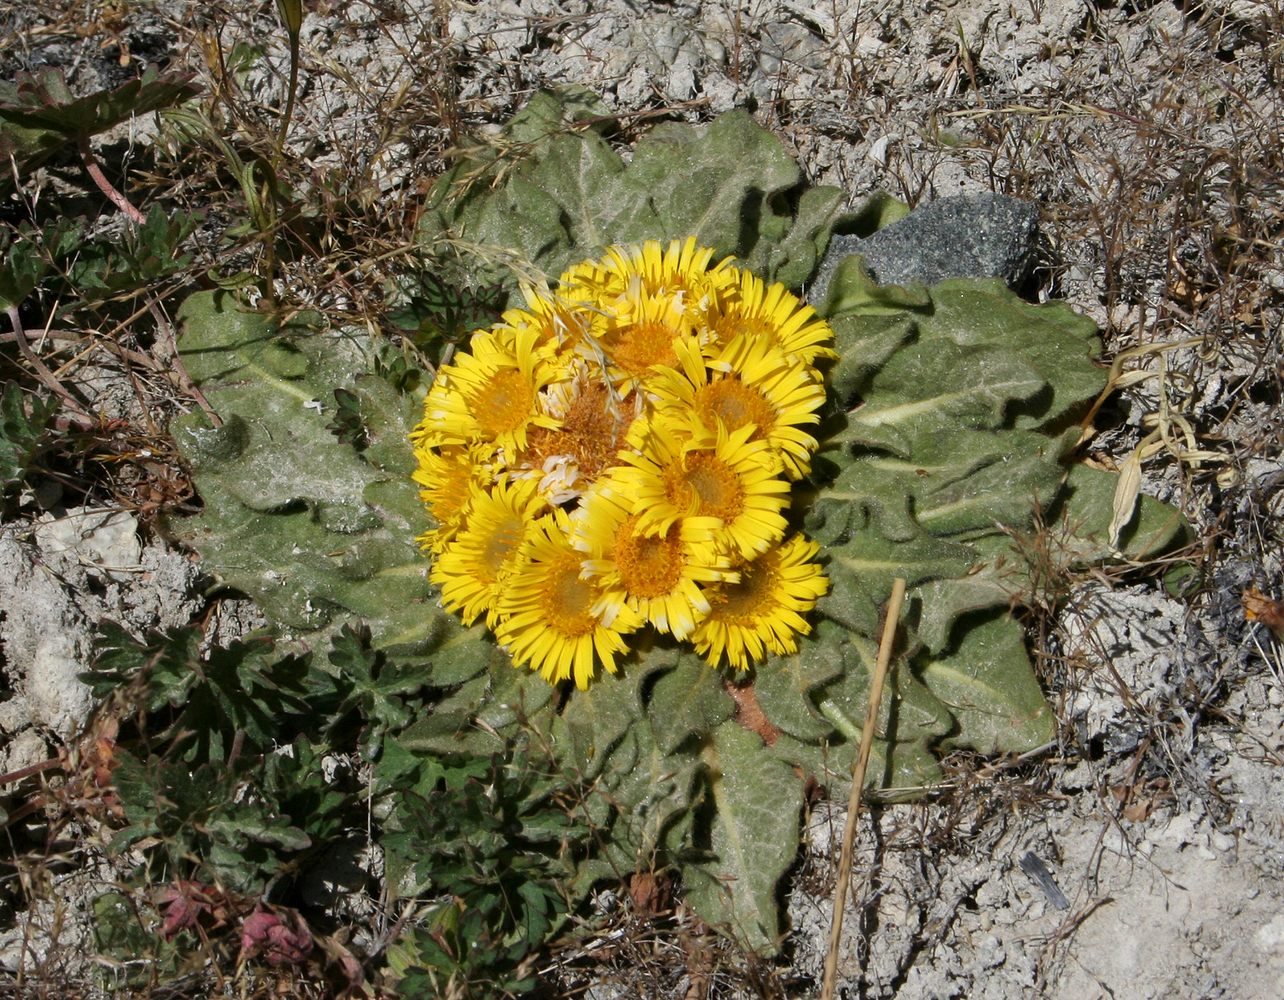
(754, 838)
(1055, 341)
(853, 291)
(955, 482)
(517, 695)
(862, 570)
(793, 260)
(709, 181)
(654, 790)
(864, 343)
(897, 772)
(587, 178)
(785, 684)
(286, 519)
(934, 384)
(940, 603)
(594, 721)
(970, 481)
(687, 702)
(880, 209)
(567, 194)
(1087, 508)
(1049, 351)
(551, 112)
(990, 688)
(908, 713)
(450, 726)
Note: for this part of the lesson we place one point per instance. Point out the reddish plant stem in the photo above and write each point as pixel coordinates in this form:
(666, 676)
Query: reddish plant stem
(104, 185)
(27, 772)
(45, 376)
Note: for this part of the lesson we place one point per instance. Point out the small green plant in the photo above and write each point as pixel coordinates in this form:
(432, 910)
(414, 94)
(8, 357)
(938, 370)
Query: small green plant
(950, 424)
(434, 312)
(40, 118)
(23, 419)
(491, 842)
(222, 788)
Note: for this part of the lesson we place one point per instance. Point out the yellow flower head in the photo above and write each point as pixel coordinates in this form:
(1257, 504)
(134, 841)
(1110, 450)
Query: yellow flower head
(656, 576)
(733, 479)
(639, 336)
(775, 312)
(549, 615)
(593, 422)
(447, 477)
(762, 612)
(748, 382)
(680, 270)
(490, 393)
(472, 569)
(561, 319)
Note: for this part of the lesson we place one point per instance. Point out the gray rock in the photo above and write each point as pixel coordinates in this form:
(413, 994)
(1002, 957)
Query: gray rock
(58, 581)
(962, 236)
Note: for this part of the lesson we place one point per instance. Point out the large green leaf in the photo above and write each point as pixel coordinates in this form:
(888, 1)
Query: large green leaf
(785, 684)
(1086, 508)
(754, 837)
(311, 529)
(953, 444)
(990, 689)
(650, 790)
(1052, 339)
(594, 721)
(567, 194)
(686, 702)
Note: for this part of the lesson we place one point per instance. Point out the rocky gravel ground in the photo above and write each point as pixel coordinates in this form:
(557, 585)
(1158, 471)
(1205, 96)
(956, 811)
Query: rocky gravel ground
(1142, 856)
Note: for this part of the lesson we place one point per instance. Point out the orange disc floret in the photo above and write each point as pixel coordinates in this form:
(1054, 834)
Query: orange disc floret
(639, 336)
(656, 576)
(594, 420)
(732, 479)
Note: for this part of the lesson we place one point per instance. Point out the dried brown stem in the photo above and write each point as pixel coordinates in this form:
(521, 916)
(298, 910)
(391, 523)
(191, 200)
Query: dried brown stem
(42, 372)
(166, 330)
(32, 769)
(858, 782)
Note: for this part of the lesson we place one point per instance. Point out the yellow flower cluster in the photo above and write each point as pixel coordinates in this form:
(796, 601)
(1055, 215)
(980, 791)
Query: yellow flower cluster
(619, 452)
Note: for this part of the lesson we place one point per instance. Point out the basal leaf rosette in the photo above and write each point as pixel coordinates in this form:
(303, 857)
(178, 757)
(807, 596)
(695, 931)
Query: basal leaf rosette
(618, 454)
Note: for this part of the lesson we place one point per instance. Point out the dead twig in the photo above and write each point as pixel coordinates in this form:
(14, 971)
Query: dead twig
(858, 780)
(42, 372)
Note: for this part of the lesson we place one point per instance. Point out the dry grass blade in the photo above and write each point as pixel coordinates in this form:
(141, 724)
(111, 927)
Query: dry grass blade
(858, 781)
